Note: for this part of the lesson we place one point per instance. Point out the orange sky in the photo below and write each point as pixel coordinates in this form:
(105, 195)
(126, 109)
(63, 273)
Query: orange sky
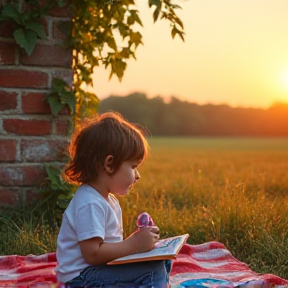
(235, 52)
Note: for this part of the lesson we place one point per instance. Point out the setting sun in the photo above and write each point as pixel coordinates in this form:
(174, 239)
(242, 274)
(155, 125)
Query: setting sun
(235, 52)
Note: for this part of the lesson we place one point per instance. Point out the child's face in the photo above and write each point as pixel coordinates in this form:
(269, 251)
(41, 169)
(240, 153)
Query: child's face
(124, 178)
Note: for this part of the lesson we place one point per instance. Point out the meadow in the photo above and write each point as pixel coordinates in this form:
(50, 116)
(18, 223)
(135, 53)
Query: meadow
(231, 190)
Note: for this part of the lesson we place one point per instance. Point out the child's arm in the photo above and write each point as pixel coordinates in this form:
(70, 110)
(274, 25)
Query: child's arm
(97, 252)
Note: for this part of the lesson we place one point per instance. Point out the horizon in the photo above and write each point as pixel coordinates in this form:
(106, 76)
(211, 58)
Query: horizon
(235, 53)
(167, 100)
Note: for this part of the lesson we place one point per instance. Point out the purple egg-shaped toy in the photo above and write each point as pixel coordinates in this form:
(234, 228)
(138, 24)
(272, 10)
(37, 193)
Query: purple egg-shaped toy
(144, 220)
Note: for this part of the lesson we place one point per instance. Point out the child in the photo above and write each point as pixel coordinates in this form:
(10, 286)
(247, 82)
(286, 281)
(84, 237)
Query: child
(105, 156)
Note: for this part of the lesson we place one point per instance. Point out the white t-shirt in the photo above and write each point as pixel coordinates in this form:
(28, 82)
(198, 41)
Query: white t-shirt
(88, 215)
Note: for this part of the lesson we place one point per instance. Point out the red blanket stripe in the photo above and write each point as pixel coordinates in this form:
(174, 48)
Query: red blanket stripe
(211, 259)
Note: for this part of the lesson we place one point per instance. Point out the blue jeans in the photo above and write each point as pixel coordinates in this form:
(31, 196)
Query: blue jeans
(150, 274)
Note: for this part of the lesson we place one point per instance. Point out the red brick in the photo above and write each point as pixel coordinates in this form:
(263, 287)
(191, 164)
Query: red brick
(27, 127)
(22, 175)
(7, 53)
(63, 128)
(43, 150)
(8, 150)
(66, 75)
(61, 29)
(61, 12)
(23, 79)
(6, 30)
(44, 22)
(9, 197)
(57, 11)
(48, 56)
(8, 100)
(34, 103)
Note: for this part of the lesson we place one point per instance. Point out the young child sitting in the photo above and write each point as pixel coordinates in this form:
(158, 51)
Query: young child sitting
(105, 156)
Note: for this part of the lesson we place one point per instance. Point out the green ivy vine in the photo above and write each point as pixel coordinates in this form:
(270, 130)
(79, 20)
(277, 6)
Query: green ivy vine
(27, 25)
(101, 33)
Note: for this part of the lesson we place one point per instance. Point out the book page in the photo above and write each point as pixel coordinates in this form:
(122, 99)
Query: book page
(167, 248)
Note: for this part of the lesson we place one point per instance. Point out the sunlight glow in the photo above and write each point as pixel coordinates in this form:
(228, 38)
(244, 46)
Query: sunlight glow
(285, 79)
(221, 60)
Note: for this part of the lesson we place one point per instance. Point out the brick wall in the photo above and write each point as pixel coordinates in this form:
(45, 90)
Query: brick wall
(29, 135)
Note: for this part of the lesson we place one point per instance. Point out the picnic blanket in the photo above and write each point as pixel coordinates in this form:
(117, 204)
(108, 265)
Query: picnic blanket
(212, 265)
(205, 265)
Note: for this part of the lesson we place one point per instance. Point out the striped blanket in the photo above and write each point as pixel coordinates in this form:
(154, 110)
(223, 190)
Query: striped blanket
(205, 265)
(212, 265)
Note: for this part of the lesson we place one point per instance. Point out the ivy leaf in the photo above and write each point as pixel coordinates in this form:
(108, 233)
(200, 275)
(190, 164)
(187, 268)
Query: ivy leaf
(123, 30)
(57, 84)
(174, 32)
(111, 43)
(118, 67)
(35, 15)
(179, 22)
(53, 174)
(54, 103)
(4, 17)
(136, 38)
(156, 14)
(164, 15)
(68, 98)
(60, 96)
(125, 53)
(157, 3)
(134, 18)
(11, 11)
(26, 39)
(36, 27)
(181, 35)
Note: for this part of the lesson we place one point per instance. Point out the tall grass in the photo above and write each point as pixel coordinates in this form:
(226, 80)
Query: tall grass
(234, 191)
(230, 190)
(24, 231)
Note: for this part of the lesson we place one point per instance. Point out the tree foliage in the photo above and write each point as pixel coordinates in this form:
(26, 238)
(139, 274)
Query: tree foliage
(182, 118)
(105, 33)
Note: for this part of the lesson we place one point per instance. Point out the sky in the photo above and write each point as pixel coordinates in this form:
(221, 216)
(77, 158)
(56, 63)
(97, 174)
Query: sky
(235, 52)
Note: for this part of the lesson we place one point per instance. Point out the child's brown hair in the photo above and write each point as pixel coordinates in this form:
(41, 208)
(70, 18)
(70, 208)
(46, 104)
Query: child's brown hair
(108, 134)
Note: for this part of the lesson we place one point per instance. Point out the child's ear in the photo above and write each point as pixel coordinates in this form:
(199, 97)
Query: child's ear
(108, 164)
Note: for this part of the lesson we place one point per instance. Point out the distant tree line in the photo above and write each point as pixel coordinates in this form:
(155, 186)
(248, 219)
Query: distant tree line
(182, 118)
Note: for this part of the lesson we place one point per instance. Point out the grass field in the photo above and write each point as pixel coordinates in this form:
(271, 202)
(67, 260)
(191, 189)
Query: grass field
(231, 190)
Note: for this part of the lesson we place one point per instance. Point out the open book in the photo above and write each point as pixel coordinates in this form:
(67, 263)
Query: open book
(164, 249)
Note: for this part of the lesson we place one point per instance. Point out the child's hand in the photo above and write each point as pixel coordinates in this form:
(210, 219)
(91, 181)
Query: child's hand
(144, 239)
